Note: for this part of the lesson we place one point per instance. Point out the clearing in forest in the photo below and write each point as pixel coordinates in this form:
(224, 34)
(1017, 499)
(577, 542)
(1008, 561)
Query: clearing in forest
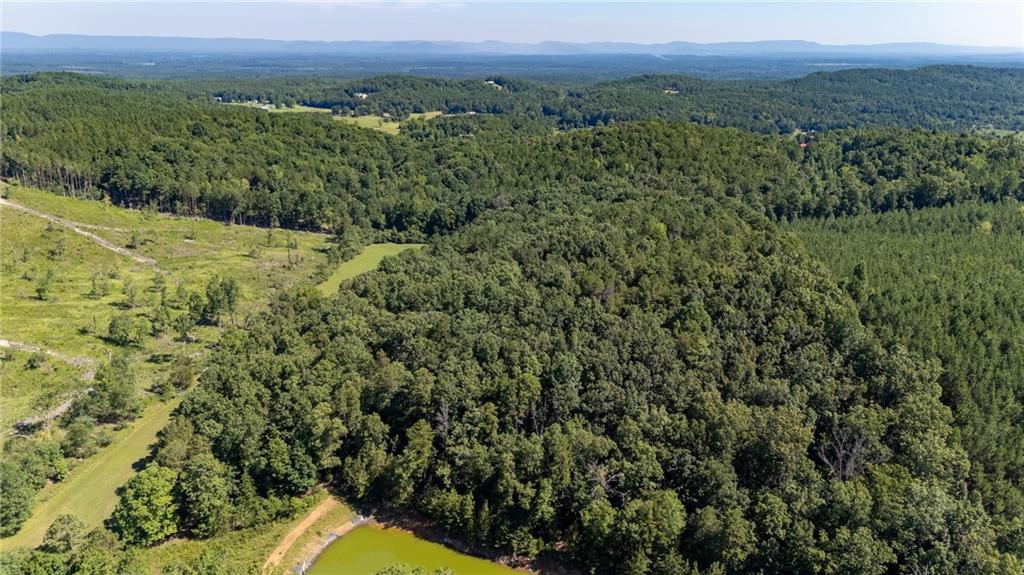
(70, 266)
(382, 124)
(68, 269)
(374, 122)
(89, 492)
(366, 260)
(297, 108)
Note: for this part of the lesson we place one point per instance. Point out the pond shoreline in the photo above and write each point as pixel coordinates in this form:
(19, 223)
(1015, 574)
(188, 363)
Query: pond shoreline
(325, 542)
(420, 527)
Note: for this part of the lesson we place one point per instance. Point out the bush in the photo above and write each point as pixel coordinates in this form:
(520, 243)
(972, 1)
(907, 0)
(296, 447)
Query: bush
(36, 360)
(79, 441)
(43, 286)
(113, 397)
(127, 330)
(64, 535)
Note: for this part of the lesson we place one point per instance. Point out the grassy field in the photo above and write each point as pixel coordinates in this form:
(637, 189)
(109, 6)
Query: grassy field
(72, 321)
(297, 108)
(425, 115)
(383, 124)
(92, 243)
(367, 260)
(27, 390)
(1000, 132)
(372, 122)
(380, 123)
(89, 491)
(240, 551)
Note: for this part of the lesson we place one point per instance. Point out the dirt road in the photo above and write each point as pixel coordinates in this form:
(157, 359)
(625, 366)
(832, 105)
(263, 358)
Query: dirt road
(325, 507)
(79, 229)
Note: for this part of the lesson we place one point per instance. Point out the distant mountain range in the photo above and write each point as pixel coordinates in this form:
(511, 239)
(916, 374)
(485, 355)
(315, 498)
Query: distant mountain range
(16, 42)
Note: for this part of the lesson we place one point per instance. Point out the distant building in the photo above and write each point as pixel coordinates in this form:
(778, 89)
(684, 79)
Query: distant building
(361, 95)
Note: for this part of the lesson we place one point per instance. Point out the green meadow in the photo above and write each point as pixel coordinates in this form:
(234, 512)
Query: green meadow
(29, 389)
(366, 260)
(386, 125)
(89, 492)
(372, 122)
(93, 254)
(378, 123)
(68, 267)
(88, 282)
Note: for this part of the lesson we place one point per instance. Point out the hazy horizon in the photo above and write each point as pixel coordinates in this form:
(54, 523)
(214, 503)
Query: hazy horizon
(979, 24)
(526, 43)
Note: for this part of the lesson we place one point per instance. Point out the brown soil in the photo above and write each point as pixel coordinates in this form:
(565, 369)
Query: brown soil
(289, 539)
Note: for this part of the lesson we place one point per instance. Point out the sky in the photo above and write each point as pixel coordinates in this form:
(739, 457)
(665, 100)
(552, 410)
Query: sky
(979, 23)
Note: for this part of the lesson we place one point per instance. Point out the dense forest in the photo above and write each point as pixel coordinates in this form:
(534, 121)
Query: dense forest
(939, 97)
(949, 284)
(649, 346)
(140, 146)
(655, 384)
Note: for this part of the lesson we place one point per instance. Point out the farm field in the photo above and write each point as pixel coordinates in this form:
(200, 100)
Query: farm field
(365, 261)
(373, 122)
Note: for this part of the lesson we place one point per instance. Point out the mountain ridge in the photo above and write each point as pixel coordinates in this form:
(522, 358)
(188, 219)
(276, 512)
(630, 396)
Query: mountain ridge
(11, 41)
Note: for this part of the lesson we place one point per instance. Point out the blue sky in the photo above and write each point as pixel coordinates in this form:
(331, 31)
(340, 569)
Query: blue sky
(980, 23)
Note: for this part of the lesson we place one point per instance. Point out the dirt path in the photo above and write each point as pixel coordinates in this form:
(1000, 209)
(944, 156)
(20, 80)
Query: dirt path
(325, 507)
(88, 374)
(311, 552)
(80, 229)
(83, 362)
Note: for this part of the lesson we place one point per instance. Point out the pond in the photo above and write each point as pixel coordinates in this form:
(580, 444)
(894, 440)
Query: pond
(369, 548)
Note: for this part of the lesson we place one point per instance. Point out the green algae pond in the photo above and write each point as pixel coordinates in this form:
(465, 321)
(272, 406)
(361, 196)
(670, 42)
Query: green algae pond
(369, 548)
